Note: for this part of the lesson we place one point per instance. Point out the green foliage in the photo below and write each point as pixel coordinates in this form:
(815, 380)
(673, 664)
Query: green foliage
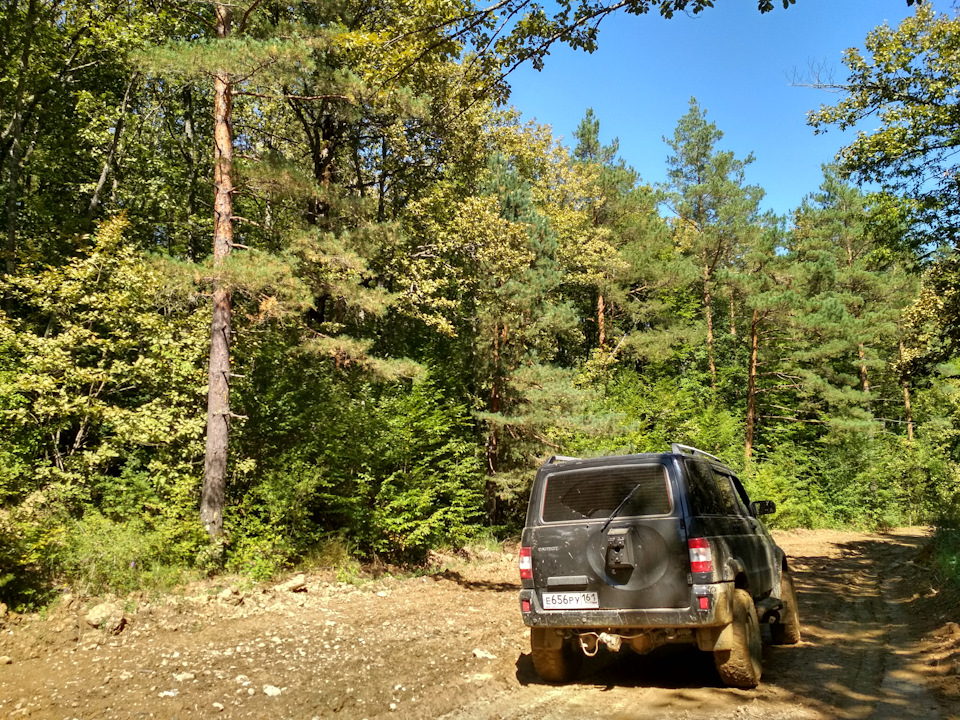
(393, 467)
(788, 476)
(102, 374)
(654, 413)
(100, 555)
(429, 488)
(27, 542)
(432, 297)
(944, 552)
(908, 81)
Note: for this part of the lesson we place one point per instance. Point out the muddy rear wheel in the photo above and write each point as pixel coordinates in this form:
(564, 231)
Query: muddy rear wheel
(742, 666)
(555, 659)
(787, 631)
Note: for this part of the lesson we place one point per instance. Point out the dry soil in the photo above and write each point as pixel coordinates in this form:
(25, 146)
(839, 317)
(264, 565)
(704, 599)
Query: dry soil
(879, 642)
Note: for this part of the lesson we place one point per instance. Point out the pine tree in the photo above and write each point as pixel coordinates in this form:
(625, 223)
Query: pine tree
(854, 290)
(608, 182)
(713, 207)
(335, 85)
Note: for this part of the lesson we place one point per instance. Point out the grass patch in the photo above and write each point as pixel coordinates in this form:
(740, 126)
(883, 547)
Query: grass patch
(943, 554)
(102, 555)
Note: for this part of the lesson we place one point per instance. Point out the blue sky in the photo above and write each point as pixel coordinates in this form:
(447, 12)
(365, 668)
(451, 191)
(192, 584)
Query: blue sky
(739, 64)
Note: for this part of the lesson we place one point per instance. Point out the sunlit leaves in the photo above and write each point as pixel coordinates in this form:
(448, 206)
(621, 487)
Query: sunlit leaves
(909, 81)
(99, 366)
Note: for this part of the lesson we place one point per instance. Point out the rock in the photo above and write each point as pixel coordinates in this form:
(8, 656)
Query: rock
(271, 690)
(298, 583)
(184, 676)
(230, 596)
(6, 660)
(106, 616)
(218, 706)
(3, 611)
(170, 693)
(483, 654)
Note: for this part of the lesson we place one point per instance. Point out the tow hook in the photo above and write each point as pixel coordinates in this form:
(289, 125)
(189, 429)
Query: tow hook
(590, 642)
(612, 642)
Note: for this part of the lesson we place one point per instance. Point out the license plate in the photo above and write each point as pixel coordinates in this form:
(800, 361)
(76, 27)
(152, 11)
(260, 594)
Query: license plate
(570, 600)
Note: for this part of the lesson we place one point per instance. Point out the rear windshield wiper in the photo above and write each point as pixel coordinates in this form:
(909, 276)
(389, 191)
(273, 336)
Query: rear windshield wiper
(618, 508)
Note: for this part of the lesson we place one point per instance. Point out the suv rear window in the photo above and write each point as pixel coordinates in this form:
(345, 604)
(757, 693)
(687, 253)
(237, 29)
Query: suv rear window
(596, 492)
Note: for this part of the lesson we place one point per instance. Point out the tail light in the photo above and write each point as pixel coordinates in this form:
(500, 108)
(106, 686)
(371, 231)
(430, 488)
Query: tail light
(701, 556)
(526, 564)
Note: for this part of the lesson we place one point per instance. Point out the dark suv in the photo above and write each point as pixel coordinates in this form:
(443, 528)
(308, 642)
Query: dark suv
(646, 550)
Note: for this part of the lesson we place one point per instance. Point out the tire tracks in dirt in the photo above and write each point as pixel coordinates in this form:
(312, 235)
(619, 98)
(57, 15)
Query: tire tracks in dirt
(860, 657)
(452, 646)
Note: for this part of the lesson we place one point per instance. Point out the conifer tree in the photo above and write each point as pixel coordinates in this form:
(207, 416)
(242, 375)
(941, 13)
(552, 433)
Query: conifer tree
(713, 207)
(765, 280)
(522, 320)
(854, 289)
(334, 84)
(608, 182)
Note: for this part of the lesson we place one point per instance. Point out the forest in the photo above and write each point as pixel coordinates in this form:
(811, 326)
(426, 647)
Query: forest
(283, 281)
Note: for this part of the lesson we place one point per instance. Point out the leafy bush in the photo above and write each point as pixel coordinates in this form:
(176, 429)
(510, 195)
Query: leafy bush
(787, 477)
(944, 553)
(651, 414)
(100, 555)
(425, 483)
(101, 375)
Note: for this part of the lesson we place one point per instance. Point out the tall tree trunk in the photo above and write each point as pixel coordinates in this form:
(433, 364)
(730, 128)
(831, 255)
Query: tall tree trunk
(492, 449)
(15, 153)
(707, 301)
(601, 319)
(382, 183)
(733, 313)
(218, 395)
(190, 157)
(752, 384)
(906, 401)
(112, 152)
(907, 411)
(864, 378)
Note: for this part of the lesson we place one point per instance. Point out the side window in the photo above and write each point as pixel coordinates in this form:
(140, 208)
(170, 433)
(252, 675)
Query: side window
(710, 493)
(732, 488)
(741, 494)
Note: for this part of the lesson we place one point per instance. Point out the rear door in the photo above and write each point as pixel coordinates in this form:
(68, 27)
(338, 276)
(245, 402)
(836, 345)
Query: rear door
(609, 537)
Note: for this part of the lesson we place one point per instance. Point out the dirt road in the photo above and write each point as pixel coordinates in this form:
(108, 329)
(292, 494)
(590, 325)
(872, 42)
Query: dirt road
(451, 645)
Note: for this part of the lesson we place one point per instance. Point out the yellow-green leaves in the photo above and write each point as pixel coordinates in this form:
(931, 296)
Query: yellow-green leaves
(95, 365)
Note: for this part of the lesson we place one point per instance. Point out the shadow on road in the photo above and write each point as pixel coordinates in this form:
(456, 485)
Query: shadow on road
(482, 585)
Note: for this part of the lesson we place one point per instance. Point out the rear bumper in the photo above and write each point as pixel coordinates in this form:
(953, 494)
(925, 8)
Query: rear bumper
(719, 613)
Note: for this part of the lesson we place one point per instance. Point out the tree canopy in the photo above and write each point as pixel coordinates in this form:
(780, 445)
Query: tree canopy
(420, 297)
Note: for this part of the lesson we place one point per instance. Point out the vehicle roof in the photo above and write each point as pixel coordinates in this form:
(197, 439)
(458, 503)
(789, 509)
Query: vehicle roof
(561, 462)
